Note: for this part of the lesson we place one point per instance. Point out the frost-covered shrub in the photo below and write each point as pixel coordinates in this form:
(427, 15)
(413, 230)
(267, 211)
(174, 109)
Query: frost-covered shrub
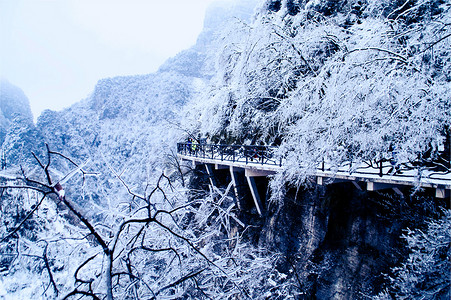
(426, 272)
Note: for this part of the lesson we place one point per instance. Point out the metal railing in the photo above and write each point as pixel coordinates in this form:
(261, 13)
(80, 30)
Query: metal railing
(235, 153)
(265, 155)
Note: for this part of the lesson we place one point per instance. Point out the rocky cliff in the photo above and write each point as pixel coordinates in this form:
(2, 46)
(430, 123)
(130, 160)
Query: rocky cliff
(18, 134)
(341, 242)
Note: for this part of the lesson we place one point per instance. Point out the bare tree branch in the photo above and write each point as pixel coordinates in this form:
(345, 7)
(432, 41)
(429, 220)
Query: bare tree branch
(119, 259)
(18, 227)
(181, 280)
(376, 49)
(77, 279)
(436, 42)
(83, 293)
(47, 266)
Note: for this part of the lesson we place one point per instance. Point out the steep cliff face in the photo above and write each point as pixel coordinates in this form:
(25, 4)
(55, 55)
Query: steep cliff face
(197, 61)
(339, 241)
(336, 241)
(13, 103)
(18, 134)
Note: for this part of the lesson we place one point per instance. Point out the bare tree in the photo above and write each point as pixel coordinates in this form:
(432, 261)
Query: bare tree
(161, 246)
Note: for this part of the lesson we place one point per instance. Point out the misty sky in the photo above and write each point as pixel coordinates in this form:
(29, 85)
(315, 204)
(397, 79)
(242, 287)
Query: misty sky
(56, 50)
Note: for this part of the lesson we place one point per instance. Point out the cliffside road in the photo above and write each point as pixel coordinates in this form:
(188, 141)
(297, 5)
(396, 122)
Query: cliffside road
(373, 175)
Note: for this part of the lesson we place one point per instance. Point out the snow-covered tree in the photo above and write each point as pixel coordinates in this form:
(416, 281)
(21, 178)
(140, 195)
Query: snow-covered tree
(154, 245)
(335, 80)
(426, 272)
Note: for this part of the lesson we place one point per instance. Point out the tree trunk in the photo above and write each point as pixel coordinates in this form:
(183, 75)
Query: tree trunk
(108, 277)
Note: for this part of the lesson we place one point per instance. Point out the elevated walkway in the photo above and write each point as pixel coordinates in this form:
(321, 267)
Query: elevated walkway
(258, 161)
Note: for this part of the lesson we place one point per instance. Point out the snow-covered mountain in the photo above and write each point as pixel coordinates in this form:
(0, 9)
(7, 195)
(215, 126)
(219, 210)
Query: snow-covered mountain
(13, 103)
(18, 134)
(130, 124)
(122, 134)
(337, 79)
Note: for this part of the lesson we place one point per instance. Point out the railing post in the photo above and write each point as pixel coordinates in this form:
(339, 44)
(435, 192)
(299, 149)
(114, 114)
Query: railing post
(246, 152)
(380, 168)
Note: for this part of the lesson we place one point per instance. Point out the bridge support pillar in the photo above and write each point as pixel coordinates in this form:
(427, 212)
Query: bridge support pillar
(194, 163)
(235, 188)
(374, 186)
(210, 173)
(254, 192)
(357, 185)
(239, 187)
(442, 193)
(398, 191)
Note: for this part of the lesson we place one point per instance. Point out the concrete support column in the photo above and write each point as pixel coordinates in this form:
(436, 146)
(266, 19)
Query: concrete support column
(233, 175)
(374, 186)
(442, 193)
(211, 175)
(255, 195)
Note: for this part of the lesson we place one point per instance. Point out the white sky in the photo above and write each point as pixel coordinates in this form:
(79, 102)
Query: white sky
(56, 50)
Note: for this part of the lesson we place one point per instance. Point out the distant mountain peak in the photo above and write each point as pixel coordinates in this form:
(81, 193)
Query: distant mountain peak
(13, 104)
